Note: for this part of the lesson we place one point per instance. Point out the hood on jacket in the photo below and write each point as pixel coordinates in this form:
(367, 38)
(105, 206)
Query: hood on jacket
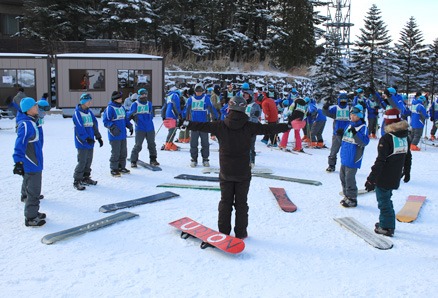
(236, 120)
(397, 127)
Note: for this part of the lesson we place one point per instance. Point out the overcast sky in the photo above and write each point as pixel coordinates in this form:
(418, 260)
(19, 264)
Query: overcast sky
(395, 14)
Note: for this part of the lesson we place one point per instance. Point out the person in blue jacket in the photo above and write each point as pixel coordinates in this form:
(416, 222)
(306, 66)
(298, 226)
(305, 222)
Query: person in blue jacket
(200, 109)
(354, 140)
(341, 115)
(142, 113)
(116, 121)
(360, 99)
(172, 110)
(316, 121)
(433, 112)
(85, 131)
(28, 159)
(418, 119)
(372, 107)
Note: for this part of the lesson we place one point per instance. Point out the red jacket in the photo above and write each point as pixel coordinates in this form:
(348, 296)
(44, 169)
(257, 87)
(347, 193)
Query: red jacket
(270, 110)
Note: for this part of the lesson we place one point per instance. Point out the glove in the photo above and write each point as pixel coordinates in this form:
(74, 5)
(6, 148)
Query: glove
(114, 130)
(90, 141)
(407, 176)
(131, 130)
(100, 142)
(369, 186)
(182, 123)
(133, 117)
(340, 132)
(326, 106)
(18, 168)
(352, 130)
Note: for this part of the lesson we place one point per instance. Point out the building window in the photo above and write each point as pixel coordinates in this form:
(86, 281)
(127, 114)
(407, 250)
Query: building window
(17, 78)
(87, 79)
(9, 24)
(130, 80)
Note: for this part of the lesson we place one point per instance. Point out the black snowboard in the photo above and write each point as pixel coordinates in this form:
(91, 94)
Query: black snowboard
(127, 204)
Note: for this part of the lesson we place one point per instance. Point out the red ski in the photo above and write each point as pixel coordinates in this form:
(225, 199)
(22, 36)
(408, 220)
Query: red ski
(283, 200)
(209, 237)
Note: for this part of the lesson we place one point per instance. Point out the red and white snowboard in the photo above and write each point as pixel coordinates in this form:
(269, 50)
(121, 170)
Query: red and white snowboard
(208, 236)
(283, 200)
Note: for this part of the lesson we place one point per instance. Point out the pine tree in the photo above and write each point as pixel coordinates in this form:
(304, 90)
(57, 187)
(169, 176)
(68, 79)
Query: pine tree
(409, 60)
(431, 68)
(370, 55)
(295, 42)
(331, 74)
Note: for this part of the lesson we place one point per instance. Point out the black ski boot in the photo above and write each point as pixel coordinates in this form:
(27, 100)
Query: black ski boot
(115, 173)
(330, 169)
(153, 161)
(382, 231)
(88, 181)
(34, 222)
(124, 171)
(78, 185)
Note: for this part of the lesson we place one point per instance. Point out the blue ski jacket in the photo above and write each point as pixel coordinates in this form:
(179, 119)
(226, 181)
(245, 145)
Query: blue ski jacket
(173, 106)
(28, 147)
(115, 114)
(85, 127)
(341, 114)
(198, 108)
(419, 114)
(142, 113)
(353, 145)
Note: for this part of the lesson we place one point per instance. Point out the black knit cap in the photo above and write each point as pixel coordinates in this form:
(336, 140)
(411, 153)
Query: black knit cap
(116, 95)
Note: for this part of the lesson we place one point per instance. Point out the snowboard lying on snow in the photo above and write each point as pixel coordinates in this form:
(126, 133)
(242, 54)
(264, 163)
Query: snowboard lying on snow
(283, 200)
(145, 200)
(378, 241)
(91, 226)
(209, 237)
(255, 170)
(190, 186)
(290, 179)
(410, 210)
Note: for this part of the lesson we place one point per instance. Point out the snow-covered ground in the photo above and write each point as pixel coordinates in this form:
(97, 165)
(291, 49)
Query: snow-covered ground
(301, 254)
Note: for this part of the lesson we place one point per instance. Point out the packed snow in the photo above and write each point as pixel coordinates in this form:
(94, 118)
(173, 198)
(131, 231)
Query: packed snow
(300, 254)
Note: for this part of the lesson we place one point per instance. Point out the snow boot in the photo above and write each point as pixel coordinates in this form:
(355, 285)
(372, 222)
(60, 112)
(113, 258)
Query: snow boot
(169, 146)
(133, 164)
(330, 169)
(124, 171)
(115, 173)
(34, 222)
(193, 163)
(432, 138)
(382, 231)
(415, 148)
(153, 161)
(88, 181)
(206, 163)
(348, 202)
(78, 185)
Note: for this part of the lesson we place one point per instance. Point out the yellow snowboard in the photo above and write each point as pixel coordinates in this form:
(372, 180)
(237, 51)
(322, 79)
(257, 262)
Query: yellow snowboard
(410, 210)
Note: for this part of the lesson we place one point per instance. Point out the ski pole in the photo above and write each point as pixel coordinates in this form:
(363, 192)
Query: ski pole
(159, 128)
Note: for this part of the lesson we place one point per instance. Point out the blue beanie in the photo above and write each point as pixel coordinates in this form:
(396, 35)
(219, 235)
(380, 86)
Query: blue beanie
(245, 86)
(27, 103)
(392, 90)
(306, 99)
(357, 110)
(84, 98)
(359, 90)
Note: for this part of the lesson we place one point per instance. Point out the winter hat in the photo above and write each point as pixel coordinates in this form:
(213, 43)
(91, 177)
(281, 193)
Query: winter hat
(422, 98)
(294, 91)
(392, 116)
(237, 103)
(245, 86)
(357, 110)
(84, 98)
(142, 91)
(27, 103)
(307, 99)
(343, 97)
(392, 90)
(360, 90)
(116, 95)
(199, 87)
(43, 105)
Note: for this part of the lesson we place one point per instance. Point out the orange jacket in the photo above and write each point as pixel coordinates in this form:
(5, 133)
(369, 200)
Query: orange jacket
(270, 110)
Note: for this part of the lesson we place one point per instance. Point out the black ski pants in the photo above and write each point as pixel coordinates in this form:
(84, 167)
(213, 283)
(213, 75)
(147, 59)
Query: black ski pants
(234, 194)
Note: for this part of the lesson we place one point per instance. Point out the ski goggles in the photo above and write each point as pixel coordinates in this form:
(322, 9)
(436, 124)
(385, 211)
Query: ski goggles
(142, 91)
(355, 110)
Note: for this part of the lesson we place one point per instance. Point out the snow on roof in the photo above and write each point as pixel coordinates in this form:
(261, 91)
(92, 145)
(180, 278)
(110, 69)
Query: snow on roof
(107, 56)
(23, 55)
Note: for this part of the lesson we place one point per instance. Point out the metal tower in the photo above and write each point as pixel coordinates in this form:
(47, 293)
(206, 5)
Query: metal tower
(338, 26)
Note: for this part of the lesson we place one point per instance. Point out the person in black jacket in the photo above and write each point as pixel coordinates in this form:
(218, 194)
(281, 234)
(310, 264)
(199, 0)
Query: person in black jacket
(393, 162)
(234, 135)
